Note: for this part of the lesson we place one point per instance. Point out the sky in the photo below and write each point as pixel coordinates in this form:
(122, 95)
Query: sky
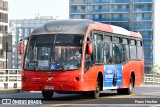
(27, 9)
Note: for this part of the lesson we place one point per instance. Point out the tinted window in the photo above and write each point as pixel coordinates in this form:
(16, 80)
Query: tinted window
(117, 49)
(98, 48)
(133, 53)
(45, 51)
(107, 49)
(139, 50)
(125, 51)
(116, 40)
(57, 39)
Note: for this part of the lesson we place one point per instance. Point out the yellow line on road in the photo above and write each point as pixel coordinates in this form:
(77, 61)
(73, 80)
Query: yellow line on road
(55, 105)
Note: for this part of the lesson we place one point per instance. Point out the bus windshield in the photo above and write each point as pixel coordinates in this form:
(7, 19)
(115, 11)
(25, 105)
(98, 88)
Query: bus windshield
(53, 52)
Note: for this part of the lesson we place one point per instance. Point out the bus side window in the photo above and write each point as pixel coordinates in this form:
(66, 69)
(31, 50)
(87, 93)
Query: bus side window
(139, 50)
(125, 50)
(133, 53)
(98, 48)
(117, 50)
(107, 49)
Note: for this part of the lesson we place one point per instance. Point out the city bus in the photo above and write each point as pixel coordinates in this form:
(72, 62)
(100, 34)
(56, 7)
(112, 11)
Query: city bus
(82, 56)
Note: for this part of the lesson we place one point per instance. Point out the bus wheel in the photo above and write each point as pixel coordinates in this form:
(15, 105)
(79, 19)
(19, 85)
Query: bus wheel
(96, 93)
(120, 91)
(129, 90)
(47, 95)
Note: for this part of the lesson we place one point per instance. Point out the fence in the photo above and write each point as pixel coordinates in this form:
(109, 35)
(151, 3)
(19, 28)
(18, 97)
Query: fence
(10, 79)
(152, 79)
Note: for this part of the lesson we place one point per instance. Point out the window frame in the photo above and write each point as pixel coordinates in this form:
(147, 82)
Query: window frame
(120, 41)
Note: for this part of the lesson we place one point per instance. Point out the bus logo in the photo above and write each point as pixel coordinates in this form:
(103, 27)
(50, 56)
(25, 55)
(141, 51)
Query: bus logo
(49, 79)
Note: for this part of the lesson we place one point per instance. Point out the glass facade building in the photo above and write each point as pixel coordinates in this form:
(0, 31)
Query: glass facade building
(3, 29)
(20, 29)
(134, 15)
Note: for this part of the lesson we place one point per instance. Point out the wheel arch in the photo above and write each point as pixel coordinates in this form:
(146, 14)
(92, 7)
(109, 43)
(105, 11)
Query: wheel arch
(133, 77)
(100, 77)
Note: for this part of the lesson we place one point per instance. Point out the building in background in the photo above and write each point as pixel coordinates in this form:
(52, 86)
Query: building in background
(7, 49)
(134, 15)
(20, 29)
(3, 30)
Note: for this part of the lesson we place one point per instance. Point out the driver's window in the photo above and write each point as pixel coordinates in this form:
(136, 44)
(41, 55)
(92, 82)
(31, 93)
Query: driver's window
(43, 53)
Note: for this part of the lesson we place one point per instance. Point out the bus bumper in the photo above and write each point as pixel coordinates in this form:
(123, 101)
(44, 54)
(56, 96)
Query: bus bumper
(56, 87)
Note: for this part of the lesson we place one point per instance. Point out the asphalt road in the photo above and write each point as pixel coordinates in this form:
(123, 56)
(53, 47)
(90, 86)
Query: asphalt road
(142, 96)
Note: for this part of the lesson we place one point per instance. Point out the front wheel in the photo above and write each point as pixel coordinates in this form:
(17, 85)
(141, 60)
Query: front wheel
(96, 93)
(47, 95)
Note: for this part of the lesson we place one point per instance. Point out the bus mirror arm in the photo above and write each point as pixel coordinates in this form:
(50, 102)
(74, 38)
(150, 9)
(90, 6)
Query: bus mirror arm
(89, 48)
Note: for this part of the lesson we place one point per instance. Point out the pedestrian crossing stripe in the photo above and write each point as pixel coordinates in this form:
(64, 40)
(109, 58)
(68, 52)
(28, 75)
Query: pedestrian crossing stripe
(53, 66)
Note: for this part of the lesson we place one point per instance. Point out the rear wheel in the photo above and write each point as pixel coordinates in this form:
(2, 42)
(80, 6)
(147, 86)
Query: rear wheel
(47, 95)
(120, 91)
(128, 90)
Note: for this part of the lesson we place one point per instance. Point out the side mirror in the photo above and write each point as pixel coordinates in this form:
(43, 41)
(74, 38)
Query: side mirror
(20, 47)
(89, 48)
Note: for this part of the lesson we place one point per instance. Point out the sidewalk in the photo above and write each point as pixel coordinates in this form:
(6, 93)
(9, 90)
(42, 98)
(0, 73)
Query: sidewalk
(4, 91)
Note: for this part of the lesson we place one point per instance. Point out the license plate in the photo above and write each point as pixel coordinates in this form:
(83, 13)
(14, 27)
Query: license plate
(49, 87)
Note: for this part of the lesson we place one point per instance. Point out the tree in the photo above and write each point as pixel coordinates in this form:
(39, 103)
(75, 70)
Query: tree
(156, 69)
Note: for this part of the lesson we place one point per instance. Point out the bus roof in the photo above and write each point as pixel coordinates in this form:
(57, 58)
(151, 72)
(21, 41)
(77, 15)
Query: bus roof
(79, 26)
(71, 26)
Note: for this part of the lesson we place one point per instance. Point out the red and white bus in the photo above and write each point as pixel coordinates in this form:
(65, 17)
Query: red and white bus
(82, 56)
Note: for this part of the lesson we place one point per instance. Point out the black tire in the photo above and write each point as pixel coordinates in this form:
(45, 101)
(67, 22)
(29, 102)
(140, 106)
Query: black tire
(96, 93)
(47, 95)
(120, 91)
(128, 90)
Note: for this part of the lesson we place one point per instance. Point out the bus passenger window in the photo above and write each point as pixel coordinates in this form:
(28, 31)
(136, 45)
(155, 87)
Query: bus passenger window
(98, 48)
(139, 50)
(107, 49)
(108, 53)
(117, 49)
(125, 50)
(133, 53)
(117, 53)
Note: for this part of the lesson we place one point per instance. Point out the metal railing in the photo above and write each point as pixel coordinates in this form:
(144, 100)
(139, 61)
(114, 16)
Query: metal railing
(152, 79)
(10, 79)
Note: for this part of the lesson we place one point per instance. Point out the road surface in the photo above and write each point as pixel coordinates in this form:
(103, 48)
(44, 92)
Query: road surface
(142, 96)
